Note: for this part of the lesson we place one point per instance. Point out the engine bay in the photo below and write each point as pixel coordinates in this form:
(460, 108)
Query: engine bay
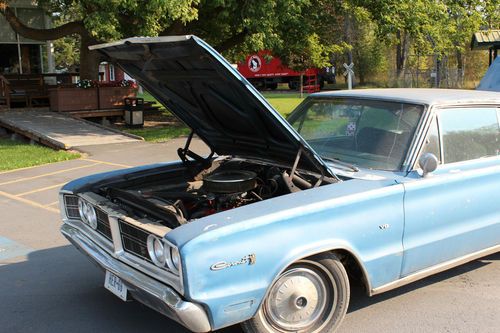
(199, 192)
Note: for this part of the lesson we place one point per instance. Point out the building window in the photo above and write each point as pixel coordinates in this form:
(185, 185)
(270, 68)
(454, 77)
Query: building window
(111, 72)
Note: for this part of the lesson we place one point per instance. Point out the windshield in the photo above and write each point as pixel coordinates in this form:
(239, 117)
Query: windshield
(367, 133)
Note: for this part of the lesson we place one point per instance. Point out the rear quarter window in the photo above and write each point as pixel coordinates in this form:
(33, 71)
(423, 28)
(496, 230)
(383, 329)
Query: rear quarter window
(469, 133)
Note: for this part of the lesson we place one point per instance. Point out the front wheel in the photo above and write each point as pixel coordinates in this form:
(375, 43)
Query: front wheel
(310, 296)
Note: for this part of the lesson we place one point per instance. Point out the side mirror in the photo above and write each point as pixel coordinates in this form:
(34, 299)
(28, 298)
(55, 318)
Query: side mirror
(428, 162)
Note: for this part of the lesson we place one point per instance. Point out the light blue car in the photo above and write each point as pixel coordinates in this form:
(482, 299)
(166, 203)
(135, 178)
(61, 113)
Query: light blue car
(383, 186)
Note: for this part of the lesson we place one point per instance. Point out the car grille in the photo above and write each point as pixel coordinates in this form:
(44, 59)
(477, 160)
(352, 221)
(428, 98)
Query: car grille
(103, 226)
(134, 240)
(71, 204)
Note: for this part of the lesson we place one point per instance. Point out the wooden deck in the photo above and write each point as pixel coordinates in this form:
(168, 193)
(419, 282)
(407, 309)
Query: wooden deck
(59, 130)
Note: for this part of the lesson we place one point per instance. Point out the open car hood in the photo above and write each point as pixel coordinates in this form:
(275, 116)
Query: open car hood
(202, 89)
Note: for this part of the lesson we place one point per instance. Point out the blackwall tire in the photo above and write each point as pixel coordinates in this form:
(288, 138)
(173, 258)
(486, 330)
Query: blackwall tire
(310, 296)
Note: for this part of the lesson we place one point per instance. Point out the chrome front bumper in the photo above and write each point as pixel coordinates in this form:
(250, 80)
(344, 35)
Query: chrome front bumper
(146, 290)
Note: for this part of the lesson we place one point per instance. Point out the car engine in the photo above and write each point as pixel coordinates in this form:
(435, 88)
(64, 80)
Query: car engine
(214, 189)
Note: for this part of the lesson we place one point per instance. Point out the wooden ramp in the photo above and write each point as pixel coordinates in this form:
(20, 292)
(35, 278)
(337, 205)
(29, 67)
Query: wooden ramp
(58, 130)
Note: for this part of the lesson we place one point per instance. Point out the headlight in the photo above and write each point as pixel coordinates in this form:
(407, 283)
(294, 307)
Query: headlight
(156, 250)
(92, 216)
(87, 213)
(175, 257)
(82, 207)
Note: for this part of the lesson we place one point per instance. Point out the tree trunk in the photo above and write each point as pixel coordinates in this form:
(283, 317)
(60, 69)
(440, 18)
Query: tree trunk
(460, 69)
(401, 53)
(89, 60)
(348, 35)
(438, 72)
(19, 27)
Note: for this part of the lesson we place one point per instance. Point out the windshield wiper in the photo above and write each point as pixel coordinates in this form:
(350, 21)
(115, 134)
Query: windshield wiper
(339, 162)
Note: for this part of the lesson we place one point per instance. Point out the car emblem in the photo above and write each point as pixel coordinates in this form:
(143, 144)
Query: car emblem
(249, 259)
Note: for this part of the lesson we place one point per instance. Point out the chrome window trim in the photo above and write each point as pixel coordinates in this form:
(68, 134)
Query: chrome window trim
(434, 112)
(469, 106)
(431, 117)
(417, 139)
(406, 164)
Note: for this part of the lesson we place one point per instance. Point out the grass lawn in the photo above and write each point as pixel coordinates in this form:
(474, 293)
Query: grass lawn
(284, 103)
(15, 155)
(159, 134)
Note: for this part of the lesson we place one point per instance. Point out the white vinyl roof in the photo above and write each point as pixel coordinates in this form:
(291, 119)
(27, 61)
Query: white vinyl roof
(421, 96)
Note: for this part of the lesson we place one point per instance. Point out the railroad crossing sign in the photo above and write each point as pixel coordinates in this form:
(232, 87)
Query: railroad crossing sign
(349, 73)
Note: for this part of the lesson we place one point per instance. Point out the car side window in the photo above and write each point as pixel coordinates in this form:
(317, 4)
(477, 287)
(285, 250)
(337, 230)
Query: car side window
(431, 143)
(469, 133)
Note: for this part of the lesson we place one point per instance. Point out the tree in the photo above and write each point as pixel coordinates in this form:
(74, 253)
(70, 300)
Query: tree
(367, 51)
(464, 20)
(409, 22)
(234, 27)
(100, 20)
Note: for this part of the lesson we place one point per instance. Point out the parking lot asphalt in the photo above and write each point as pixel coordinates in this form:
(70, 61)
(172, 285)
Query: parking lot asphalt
(46, 285)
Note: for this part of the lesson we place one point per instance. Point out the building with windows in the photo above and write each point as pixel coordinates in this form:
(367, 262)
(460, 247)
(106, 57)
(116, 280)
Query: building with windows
(20, 55)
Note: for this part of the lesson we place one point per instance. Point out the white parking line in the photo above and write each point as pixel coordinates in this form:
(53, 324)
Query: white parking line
(28, 202)
(48, 174)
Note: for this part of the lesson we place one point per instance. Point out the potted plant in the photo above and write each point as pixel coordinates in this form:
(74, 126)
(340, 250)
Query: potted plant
(92, 95)
(113, 94)
(82, 96)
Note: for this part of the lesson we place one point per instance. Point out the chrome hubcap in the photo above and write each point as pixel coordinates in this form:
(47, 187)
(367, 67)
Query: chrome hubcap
(297, 300)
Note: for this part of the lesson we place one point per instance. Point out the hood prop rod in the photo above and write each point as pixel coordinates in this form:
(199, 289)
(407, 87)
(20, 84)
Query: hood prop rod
(185, 152)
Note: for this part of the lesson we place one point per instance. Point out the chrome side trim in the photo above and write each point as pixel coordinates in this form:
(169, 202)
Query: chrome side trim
(434, 270)
(146, 290)
(115, 235)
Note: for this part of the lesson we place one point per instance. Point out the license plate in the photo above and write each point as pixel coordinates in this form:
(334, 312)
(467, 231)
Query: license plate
(114, 284)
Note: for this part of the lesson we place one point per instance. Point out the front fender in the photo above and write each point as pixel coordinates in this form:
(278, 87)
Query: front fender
(280, 231)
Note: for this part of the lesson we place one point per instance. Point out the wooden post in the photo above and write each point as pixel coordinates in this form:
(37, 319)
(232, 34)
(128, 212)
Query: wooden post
(301, 85)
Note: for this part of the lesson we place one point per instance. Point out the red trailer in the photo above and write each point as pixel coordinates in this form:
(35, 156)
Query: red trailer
(265, 71)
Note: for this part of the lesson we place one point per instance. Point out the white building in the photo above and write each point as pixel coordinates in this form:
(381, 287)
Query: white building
(22, 55)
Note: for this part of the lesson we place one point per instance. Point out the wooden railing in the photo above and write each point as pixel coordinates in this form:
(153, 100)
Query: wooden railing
(4, 92)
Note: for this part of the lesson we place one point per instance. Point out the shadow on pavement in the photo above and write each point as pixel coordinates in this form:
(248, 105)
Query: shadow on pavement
(360, 300)
(59, 290)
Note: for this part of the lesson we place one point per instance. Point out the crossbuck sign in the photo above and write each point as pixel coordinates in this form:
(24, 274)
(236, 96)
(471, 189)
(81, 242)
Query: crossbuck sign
(349, 73)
